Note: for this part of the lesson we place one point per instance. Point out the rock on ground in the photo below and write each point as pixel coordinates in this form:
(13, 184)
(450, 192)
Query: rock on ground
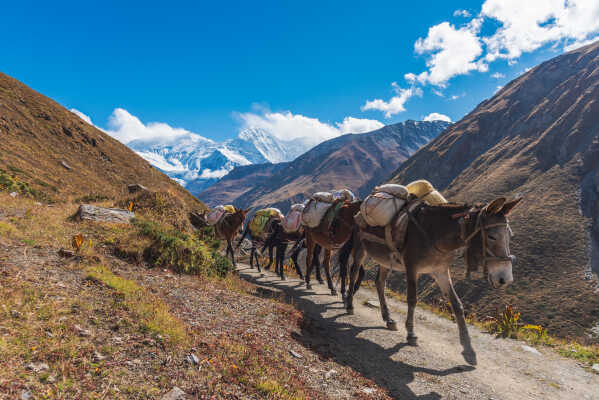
(95, 213)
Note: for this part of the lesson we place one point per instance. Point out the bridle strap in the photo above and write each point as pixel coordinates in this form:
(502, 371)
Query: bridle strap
(481, 227)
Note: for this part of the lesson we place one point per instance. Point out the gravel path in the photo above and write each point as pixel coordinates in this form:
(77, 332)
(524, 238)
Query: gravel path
(435, 369)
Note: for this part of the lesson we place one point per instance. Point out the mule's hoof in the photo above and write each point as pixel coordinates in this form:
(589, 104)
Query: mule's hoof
(333, 292)
(308, 286)
(350, 311)
(320, 281)
(392, 325)
(469, 356)
(283, 278)
(413, 340)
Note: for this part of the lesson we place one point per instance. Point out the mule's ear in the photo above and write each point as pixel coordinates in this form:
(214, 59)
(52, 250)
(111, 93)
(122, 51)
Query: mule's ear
(495, 206)
(509, 205)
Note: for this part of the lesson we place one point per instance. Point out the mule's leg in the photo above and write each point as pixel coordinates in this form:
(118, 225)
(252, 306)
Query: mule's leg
(381, 279)
(327, 270)
(359, 256)
(316, 262)
(343, 259)
(296, 264)
(256, 258)
(230, 250)
(269, 258)
(309, 260)
(252, 258)
(412, 279)
(280, 260)
(443, 279)
(360, 278)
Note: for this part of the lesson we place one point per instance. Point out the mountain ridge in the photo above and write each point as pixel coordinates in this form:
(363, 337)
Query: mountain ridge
(358, 161)
(537, 138)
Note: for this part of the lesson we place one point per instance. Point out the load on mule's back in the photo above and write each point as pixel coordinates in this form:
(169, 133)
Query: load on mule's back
(318, 205)
(419, 234)
(218, 212)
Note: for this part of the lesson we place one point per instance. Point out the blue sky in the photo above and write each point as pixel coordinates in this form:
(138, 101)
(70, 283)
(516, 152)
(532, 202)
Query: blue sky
(215, 67)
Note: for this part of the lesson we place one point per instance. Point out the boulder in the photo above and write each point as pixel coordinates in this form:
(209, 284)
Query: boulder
(95, 213)
(174, 394)
(134, 188)
(65, 165)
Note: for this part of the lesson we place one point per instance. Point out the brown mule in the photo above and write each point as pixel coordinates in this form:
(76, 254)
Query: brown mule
(228, 227)
(434, 233)
(330, 236)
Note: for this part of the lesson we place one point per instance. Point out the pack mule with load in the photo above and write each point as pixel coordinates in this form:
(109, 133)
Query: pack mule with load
(259, 229)
(330, 228)
(227, 221)
(422, 239)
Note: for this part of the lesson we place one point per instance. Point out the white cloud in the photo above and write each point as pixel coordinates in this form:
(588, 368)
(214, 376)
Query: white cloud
(498, 75)
(578, 44)
(126, 127)
(462, 13)
(454, 97)
(451, 51)
(289, 126)
(396, 104)
(524, 26)
(528, 25)
(358, 125)
(81, 115)
(437, 117)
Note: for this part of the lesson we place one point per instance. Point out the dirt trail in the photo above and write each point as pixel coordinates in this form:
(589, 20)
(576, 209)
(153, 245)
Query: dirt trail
(435, 369)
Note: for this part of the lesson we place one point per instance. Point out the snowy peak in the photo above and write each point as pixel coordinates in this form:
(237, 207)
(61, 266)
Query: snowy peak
(197, 162)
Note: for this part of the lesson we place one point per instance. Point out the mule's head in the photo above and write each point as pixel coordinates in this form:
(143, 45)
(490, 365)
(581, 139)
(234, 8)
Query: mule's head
(240, 216)
(489, 244)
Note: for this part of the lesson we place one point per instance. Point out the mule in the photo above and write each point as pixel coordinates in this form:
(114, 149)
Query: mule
(434, 233)
(228, 227)
(331, 236)
(258, 240)
(281, 240)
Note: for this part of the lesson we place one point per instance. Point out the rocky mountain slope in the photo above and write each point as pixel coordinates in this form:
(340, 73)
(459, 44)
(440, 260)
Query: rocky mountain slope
(356, 161)
(50, 152)
(197, 162)
(536, 138)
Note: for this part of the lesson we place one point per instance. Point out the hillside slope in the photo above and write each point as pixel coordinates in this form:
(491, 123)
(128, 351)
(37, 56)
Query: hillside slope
(356, 161)
(40, 140)
(537, 137)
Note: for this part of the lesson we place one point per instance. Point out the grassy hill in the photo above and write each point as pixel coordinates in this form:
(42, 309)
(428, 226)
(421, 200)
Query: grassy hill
(52, 154)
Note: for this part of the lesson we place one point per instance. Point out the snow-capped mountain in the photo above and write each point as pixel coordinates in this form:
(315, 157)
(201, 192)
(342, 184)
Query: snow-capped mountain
(197, 162)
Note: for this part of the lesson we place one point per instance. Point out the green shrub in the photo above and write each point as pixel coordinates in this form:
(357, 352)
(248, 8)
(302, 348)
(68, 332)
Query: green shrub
(181, 252)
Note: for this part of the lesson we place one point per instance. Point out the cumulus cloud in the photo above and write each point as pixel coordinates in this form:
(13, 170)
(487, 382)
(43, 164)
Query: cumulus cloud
(523, 26)
(396, 104)
(81, 115)
(462, 13)
(358, 125)
(289, 126)
(451, 51)
(498, 75)
(126, 127)
(437, 117)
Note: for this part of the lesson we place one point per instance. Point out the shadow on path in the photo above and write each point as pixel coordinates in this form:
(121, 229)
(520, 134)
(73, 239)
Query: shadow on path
(340, 341)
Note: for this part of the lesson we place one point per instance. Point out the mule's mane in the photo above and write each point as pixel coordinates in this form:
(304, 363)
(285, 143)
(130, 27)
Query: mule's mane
(447, 208)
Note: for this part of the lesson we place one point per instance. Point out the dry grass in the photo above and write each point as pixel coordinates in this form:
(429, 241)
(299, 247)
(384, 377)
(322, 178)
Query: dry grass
(153, 315)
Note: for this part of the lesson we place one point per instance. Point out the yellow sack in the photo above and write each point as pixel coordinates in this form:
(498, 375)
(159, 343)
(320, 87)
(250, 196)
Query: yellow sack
(426, 191)
(230, 208)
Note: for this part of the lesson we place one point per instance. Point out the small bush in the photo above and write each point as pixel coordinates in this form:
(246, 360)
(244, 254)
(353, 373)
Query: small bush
(506, 324)
(92, 198)
(162, 207)
(181, 252)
